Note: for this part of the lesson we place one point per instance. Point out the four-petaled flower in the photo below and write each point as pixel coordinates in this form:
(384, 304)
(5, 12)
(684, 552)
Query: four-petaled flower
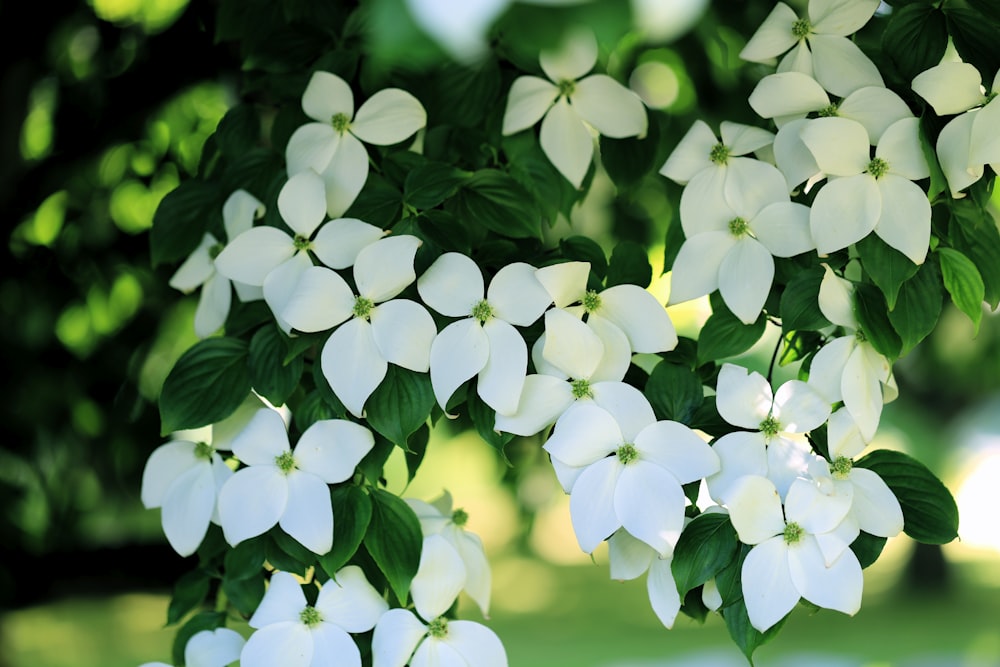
(402, 639)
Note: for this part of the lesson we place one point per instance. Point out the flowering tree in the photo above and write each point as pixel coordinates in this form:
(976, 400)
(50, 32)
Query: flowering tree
(387, 237)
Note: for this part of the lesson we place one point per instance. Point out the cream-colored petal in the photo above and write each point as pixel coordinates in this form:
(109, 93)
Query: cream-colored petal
(576, 56)
(567, 142)
(327, 95)
(528, 100)
(613, 110)
(773, 37)
(388, 117)
(840, 66)
(950, 88)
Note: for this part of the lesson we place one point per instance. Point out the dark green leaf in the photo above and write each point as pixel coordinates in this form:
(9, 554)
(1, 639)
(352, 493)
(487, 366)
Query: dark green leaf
(238, 131)
(484, 419)
(938, 183)
(532, 169)
(747, 637)
(707, 545)
(629, 264)
(206, 384)
(724, 335)
(244, 594)
(284, 553)
(379, 203)
(465, 95)
(495, 200)
(988, 8)
(672, 244)
(189, 592)
(270, 376)
(963, 282)
(394, 541)
(867, 548)
(352, 512)
(430, 184)
(206, 620)
(416, 448)
(798, 345)
(918, 307)
(929, 511)
(800, 303)
(975, 39)
(915, 39)
(246, 559)
(583, 249)
(181, 220)
(873, 319)
(729, 580)
(628, 160)
(674, 391)
(444, 229)
(975, 235)
(888, 267)
(400, 404)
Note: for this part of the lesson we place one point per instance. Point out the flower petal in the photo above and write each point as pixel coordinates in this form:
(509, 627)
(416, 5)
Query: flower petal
(696, 268)
(954, 148)
(327, 95)
(985, 145)
(565, 282)
(339, 241)
(628, 557)
(300, 202)
(905, 224)
(840, 145)
(678, 450)
(213, 648)
(288, 643)
(570, 345)
(745, 278)
(353, 364)
(845, 211)
(840, 66)
(331, 643)
(165, 465)
(704, 206)
(396, 636)
(345, 175)
(752, 185)
(691, 155)
(404, 332)
(385, 268)
(773, 37)
(253, 254)
(649, 503)
(187, 508)
(263, 440)
(950, 87)
(576, 56)
(755, 509)
(331, 449)
(743, 398)
(626, 404)
(388, 117)
(213, 306)
(617, 354)
(197, 268)
(477, 644)
(251, 502)
(835, 587)
(742, 139)
(350, 602)
(592, 503)
(642, 318)
(567, 142)
(439, 579)
(311, 147)
(309, 298)
(875, 506)
(452, 285)
(768, 589)
(308, 515)
(662, 591)
(528, 100)
(478, 580)
(827, 370)
(583, 436)
(900, 146)
(787, 94)
(836, 299)
(517, 296)
(740, 454)
(502, 378)
(783, 228)
(543, 399)
(434, 652)
(788, 458)
(458, 353)
(813, 510)
(874, 107)
(282, 603)
(799, 408)
(792, 156)
(843, 437)
(862, 392)
(841, 18)
(613, 110)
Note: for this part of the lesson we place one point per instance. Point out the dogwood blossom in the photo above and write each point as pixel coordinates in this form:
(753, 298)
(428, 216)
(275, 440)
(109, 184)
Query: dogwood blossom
(817, 44)
(293, 633)
(402, 639)
(289, 487)
(568, 103)
(871, 194)
(332, 146)
(484, 342)
(629, 558)
(786, 563)
(209, 648)
(198, 270)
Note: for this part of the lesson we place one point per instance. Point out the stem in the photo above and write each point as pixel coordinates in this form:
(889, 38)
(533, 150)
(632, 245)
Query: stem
(774, 357)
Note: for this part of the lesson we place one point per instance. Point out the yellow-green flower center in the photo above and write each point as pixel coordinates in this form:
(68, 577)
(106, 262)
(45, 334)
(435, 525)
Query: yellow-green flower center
(992, 96)
(215, 250)
(828, 111)
(203, 450)
(438, 628)
(770, 427)
(482, 311)
(793, 533)
(860, 336)
(566, 87)
(581, 389)
(739, 227)
(341, 122)
(841, 467)
(719, 153)
(285, 462)
(627, 453)
(310, 617)
(459, 517)
(363, 307)
(878, 168)
(801, 28)
(591, 301)
(301, 243)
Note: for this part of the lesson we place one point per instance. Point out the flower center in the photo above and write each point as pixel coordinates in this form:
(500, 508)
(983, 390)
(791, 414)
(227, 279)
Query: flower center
(719, 153)
(363, 307)
(591, 301)
(793, 533)
(566, 87)
(828, 111)
(992, 96)
(581, 389)
(203, 450)
(301, 243)
(739, 227)
(482, 311)
(770, 427)
(860, 336)
(878, 168)
(438, 628)
(627, 453)
(341, 122)
(841, 467)
(285, 462)
(215, 250)
(310, 617)
(459, 517)
(801, 28)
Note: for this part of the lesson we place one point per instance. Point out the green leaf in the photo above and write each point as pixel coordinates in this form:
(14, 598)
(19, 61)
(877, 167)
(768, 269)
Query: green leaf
(238, 131)
(938, 183)
(484, 419)
(400, 404)
(583, 249)
(394, 541)
(285, 553)
(888, 267)
(246, 559)
(373, 465)
(675, 392)
(873, 319)
(918, 307)
(189, 592)
(724, 335)
(629, 160)
(915, 39)
(729, 580)
(629, 264)
(206, 620)
(707, 545)
(975, 235)
(430, 184)
(378, 203)
(270, 376)
(181, 220)
(963, 282)
(352, 512)
(975, 39)
(206, 385)
(929, 511)
(532, 169)
(867, 548)
(989, 8)
(244, 594)
(465, 95)
(416, 448)
(444, 229)
(747, 637)
(499, 203)
(672, 244)
(800, 303)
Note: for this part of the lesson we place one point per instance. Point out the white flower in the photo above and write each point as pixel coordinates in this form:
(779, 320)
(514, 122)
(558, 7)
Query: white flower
(198, 270)
(570, 103)
(730, 245)
(629, 558)
(771, 449)
(292, 633)
(458, 27)
(484, 342)
(286, 487)
(438, 520)
(331, 145)
(818, 43)
(848, 368)
(629, 478)
(969, 141)
(786, 562)
(872, 194)
(209, 648)
(699, 151)
(401, 639)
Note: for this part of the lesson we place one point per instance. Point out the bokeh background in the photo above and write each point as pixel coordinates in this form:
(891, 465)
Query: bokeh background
(106, 106)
